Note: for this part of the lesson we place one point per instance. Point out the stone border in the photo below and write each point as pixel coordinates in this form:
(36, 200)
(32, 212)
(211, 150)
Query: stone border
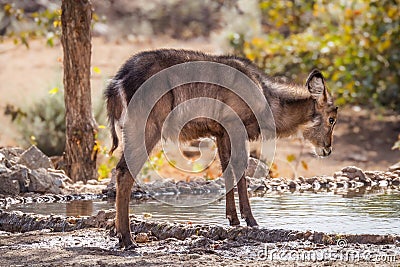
(20, 222)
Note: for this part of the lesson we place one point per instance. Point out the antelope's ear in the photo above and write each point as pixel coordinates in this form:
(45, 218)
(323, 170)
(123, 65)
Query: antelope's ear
(316, 84)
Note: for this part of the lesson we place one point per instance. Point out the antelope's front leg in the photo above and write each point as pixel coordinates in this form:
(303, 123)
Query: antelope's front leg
(124, 187)
(244, 203)
(231, 214)
(224, 152)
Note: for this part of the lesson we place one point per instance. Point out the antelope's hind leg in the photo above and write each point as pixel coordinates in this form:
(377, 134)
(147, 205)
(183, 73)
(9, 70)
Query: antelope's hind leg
(125, 182)
(124, 186)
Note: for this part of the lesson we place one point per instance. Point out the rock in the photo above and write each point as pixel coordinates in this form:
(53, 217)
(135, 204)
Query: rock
(105, 181)
(341, 184)
(92, 182)
(293, 184)
(171, 189)
(60, 179)
(220, 181)
(302, 180)
(383, 183)
(8, 186)
(311, 180)
(395, 167)
(352, 172)
(256, 168)
(3, 168)
(142, 238)
(12, 153)
(184, 189)
(197, 179)
(22, 176)
(316, 185)
(43, 182)
(275, 182)
(253, 182)
(34, 159)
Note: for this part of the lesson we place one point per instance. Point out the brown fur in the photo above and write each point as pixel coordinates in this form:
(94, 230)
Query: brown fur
(306, 108)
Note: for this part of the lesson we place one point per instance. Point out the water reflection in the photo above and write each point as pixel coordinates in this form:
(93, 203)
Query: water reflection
(79, 207)
(368, 212)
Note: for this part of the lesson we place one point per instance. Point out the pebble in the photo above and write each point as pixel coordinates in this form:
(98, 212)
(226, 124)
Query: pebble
(383, 183)
(92, 182)
(142, 238)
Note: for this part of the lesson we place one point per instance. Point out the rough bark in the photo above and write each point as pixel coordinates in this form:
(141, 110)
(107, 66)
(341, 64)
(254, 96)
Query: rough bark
(80, 156)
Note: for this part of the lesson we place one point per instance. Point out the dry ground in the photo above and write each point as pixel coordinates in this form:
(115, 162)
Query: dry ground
(94, 247)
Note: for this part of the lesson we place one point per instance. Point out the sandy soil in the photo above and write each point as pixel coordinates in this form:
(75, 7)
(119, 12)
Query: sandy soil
(93, 247)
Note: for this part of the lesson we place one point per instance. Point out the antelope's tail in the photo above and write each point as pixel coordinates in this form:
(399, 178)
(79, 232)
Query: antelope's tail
(114, 109)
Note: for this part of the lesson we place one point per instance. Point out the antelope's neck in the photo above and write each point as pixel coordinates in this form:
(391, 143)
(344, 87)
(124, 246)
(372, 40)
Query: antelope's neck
(291, 114)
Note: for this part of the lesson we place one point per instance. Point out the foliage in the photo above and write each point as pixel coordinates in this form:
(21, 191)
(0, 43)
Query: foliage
(47, 24)
(397, 144)
(356, 43)
(154, 163)
(43, 123)
(25, 26)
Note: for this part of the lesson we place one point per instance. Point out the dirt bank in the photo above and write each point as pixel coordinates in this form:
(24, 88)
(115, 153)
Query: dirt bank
(68, 241)
(94, 247)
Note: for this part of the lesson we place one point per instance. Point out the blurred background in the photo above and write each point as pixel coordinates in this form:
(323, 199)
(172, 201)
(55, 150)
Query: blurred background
(355, 43)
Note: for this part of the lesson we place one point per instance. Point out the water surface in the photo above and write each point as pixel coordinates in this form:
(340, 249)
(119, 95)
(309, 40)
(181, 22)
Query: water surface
(349, 212)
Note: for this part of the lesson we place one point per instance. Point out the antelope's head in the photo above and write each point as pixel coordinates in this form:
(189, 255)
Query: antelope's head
(320, 130)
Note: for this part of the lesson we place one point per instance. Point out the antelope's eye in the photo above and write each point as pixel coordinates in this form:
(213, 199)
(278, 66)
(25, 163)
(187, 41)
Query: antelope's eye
(331, 120)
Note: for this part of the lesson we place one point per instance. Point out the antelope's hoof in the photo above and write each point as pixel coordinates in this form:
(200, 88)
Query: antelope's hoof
(233, 221)
(251, 222)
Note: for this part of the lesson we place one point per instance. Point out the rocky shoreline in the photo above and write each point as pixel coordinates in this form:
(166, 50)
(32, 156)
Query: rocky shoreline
(88, 241)
(148, 230)
(28, 176)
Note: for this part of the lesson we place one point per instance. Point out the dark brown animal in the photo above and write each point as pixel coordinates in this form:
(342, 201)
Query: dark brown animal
(308, 109)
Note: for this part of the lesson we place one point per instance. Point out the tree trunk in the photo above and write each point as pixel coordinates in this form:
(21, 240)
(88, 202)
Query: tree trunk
(80, 153)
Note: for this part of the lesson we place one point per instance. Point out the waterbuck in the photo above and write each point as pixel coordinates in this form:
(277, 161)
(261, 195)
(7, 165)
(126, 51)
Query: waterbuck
(308, 109)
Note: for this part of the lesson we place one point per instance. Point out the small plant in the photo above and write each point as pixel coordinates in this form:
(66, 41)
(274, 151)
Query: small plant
(397, 144)
(43, 123)
(154, 163)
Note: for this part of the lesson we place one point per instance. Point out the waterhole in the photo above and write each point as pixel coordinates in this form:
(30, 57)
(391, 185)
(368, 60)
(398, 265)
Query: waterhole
(347, 212)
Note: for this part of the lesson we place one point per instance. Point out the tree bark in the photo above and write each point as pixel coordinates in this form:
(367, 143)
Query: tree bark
(80, 153)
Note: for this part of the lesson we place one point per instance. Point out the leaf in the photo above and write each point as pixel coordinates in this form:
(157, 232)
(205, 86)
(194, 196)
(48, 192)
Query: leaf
(96, 70)
(57, 23)
(304, 164)
(147, 215)
(54, 91)
(290, 157)
(50, 42)
(198, 167)
(102, 126)
(172, 163)
(24, 41)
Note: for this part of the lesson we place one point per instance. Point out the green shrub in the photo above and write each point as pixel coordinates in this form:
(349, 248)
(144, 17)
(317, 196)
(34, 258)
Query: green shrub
(43, 123)
(356, 43)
